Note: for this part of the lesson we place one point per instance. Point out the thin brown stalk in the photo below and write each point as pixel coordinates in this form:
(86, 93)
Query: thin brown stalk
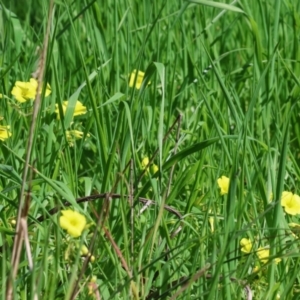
(24, 203)
(92, 286)
(123, 262)
(111, 196)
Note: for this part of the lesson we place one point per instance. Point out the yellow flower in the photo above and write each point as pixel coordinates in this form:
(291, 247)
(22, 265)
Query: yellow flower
(78, 110)
(246, 245)
(4, 133)
(139, 80)
(264, 253)
(73, 222)
(223, 183)
(24, 91)
(154, 168)
(291, 203)
(145, 162)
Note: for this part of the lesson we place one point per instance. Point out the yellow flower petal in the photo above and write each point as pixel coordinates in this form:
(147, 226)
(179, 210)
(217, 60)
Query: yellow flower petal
(34, 85)
(145, 162)
(23, 91)
(139, 80)
(79, 109)
(264, 253)
(223, 184)
(154, 168)
(4, 132)
(246, 245)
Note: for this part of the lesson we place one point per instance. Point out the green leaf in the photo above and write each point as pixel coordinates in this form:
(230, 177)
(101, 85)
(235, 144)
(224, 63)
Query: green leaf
(188, 151)
(9, 172)
(218, 5)
(161, 72)
(114, 98)
(7, 231)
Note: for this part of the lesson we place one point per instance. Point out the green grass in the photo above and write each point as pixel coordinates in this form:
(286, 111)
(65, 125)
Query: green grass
(222, 100)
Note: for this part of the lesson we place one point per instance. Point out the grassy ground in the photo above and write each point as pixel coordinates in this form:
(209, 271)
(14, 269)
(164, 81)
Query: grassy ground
(219, 98)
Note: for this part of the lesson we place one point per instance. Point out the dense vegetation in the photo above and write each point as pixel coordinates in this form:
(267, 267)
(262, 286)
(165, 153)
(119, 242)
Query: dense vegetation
(149, 149)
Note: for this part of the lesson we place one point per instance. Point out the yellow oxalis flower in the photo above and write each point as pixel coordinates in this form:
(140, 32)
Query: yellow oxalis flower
(79, 109)
(145, 162)
(263, 254)
(73, 222)
(246, 245)
(24, 91)
(291, 203)
(223, 184)
(139, 80)
(154, 168)
(4, 133)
